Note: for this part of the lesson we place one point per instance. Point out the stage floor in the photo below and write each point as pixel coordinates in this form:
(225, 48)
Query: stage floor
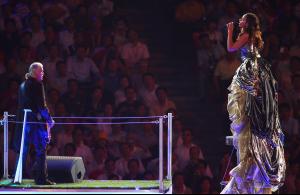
(87, 186)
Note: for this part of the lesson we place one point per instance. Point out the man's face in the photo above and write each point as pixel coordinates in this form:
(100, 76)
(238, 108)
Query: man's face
(39, 73)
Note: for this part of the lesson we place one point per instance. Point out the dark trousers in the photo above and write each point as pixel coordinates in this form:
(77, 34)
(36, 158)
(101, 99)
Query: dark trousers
(36, 135)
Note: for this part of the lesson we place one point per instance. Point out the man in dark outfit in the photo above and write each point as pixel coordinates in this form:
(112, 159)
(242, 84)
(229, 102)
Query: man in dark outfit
(32, 96)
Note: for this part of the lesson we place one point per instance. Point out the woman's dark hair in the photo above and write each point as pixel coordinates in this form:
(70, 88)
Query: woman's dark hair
(254, 31)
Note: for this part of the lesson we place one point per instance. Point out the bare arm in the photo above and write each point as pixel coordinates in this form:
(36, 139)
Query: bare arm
(240, 42)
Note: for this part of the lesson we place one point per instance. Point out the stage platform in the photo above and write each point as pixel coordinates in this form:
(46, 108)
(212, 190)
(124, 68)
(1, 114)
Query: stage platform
(88, 187)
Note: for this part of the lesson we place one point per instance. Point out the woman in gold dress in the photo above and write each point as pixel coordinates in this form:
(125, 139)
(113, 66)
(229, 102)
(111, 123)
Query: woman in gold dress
(253, 110)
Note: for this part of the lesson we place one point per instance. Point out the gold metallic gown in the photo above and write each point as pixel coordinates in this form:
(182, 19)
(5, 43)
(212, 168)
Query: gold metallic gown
(256, 129)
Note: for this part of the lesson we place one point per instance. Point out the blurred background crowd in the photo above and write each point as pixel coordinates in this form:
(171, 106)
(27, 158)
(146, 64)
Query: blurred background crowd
(143, 58)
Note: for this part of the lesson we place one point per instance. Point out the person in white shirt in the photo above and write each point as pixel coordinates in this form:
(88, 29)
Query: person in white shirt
(148, 93)
(164, 104)
(134, 52)
(98, 165)
(61, 77)
(109, 171)
(65, 136)
(120, 95)
(82, 150)
(82, 67)
(183, 151)
(66, 37)
(51, 61)
(288, 122)
(122, 163)
(179, 186)
(38, 35)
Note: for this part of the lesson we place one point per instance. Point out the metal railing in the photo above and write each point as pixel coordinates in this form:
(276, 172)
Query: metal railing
(5, 122)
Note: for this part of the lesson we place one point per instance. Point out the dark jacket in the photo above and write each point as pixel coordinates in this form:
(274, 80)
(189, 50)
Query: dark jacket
(31, 96)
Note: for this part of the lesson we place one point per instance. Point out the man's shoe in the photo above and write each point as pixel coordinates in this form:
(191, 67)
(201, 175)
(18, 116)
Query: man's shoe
(46, 183)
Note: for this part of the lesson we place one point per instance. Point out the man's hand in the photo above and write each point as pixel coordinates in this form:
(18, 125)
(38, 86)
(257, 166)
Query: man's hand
(49, 126)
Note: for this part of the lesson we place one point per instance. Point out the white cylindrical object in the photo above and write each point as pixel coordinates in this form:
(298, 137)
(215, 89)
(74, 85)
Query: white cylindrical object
(161, 155)
(170, 140)
(19, 170)
(5, 153)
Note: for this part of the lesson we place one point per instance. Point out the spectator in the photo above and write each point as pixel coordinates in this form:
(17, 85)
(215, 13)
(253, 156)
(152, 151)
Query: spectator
(128, 107)
(65, 136)
(95, 104)
(126, 156)
(203, 186)
(115, 141)
(214, 34)
(81, 18)
(53, 99)
(289, 124)
(224, 73)
(66, 37)
(61, 78)
(73, 100)
(25, 41)
(55, 12)
(120, 93)
(134, 52)
(179, 186)
(183, 151)
(69, 149)
(60, 110)
(82, 150)
(108, 110)
(148, 93)
(164, 104)
(51, 61)
(207, 56)
(133, 168)
(98, 165)
(112, 76)
(24, 60)
(44, 49)
(119, 33)
(196, 167)
(82, 67)
(178, 131)
(109, 171)
(231, 14)
(38, 35)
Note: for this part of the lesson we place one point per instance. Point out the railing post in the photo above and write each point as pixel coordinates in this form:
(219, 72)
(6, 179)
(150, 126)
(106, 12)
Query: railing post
(5, 147)
(161, 155)
(170, 140)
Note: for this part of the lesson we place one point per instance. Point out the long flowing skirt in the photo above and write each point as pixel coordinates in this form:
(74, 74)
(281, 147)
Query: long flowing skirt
(247, 177)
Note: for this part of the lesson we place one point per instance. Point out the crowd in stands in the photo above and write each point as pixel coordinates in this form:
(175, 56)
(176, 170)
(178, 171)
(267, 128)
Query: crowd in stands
(96, 65)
